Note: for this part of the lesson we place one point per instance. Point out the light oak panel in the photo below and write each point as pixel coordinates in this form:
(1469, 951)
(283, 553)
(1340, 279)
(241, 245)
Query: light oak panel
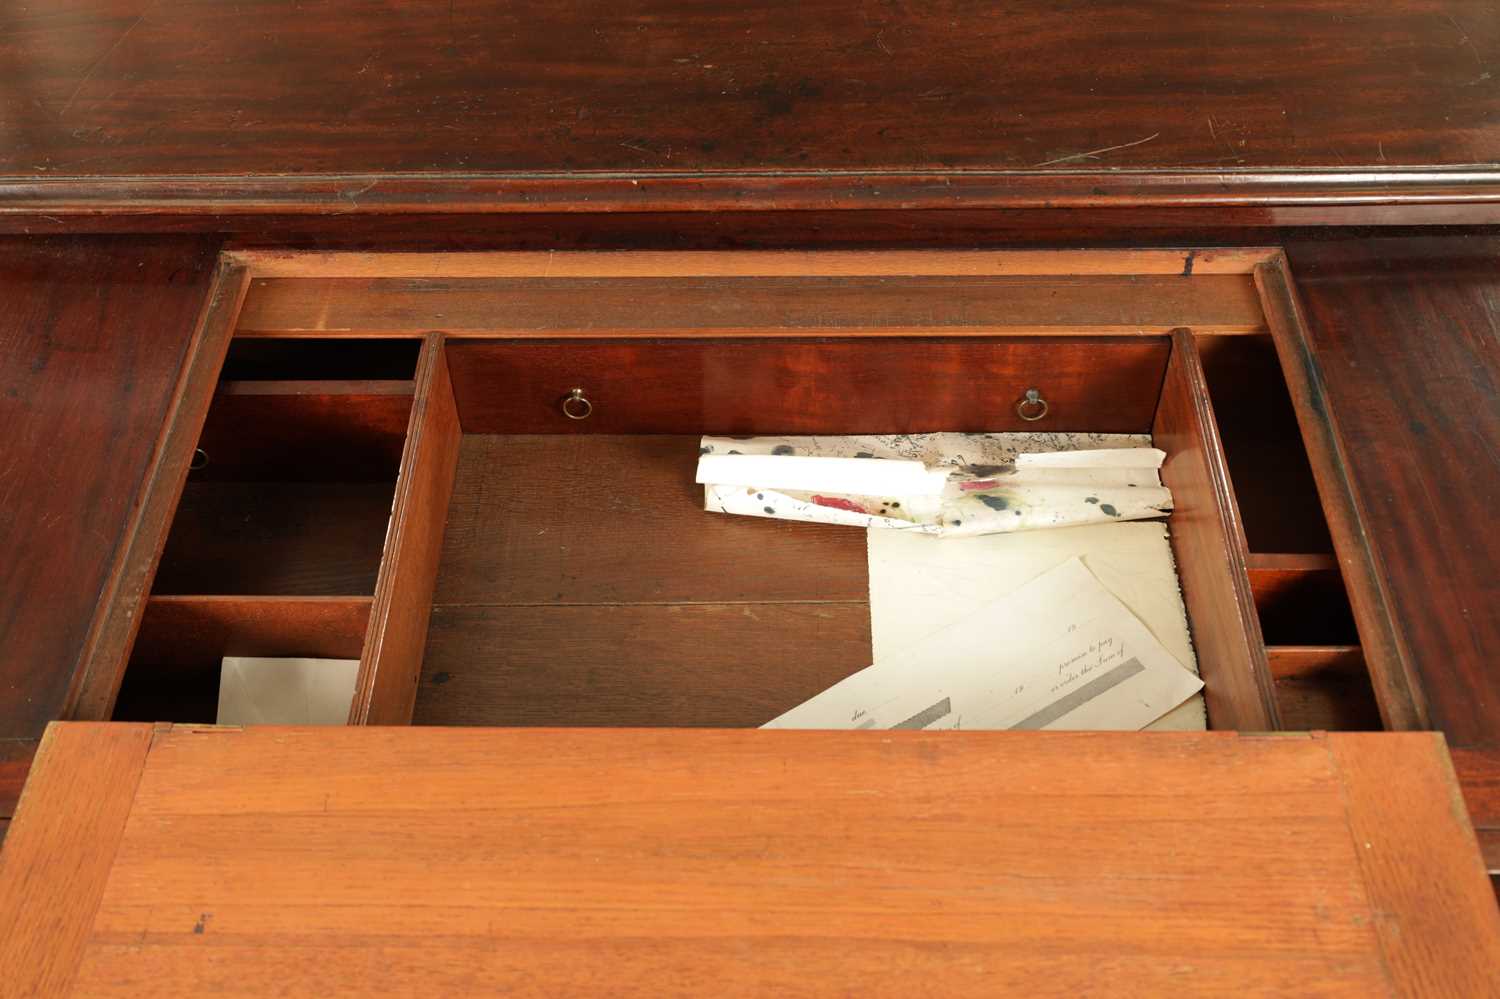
(58, 857)
(789, 862)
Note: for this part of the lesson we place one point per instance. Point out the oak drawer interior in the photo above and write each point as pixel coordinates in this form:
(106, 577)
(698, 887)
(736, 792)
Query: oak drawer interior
(397, 482)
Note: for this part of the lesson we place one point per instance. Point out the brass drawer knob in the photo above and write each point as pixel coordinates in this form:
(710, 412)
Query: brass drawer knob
(576, 406)
(1032, 407)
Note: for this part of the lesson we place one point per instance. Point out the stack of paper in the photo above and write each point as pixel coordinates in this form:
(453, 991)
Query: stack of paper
(949, 485)
(1061, 652)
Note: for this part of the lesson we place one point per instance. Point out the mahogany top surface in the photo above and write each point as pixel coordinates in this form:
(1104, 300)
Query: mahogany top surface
(133, 105)
(1404, 335)
(93, 333)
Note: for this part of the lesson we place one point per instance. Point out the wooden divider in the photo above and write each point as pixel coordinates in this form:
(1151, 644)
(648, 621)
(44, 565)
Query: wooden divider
(304, 431)
(1209, 545)
(391, 665)
(1301, 599)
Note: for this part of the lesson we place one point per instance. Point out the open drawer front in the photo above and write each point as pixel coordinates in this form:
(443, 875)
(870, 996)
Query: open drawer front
(387, 472)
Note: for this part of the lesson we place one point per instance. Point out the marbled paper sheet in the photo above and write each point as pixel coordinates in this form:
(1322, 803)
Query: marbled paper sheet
(998, 483)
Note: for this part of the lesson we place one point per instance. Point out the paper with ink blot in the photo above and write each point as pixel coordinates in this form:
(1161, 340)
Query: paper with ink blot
(285, 691)
(992, 483)
(1061, 652)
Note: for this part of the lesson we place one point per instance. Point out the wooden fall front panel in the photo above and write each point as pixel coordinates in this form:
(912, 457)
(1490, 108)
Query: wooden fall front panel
(441, 862)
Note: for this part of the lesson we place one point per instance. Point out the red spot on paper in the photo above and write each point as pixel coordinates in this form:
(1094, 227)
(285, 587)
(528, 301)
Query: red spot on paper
(839, 503)
(970, 487)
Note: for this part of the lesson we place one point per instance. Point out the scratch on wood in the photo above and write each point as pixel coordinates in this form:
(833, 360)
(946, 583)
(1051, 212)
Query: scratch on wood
(94, 66)
(353, 196)
(1463, 38)
(1096, 153)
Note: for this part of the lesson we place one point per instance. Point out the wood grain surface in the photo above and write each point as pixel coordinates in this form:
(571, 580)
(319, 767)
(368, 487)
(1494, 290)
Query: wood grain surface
(581, 583)
(301, 431)
(97, 680)
(1394, 351)
(1300, 599)
(56, 862)
(695, 665)
(178, 655)
(123, 106)
(727, 262)
(267, 538)
(1273, 483)
(93, 335)
(391, 662)
(1208, 543)
(1479, 776)
(807, 386)
(604, 518)
(1417, 862)
(15, 762)
(1323, 687)
(666, 303)
(800, 863)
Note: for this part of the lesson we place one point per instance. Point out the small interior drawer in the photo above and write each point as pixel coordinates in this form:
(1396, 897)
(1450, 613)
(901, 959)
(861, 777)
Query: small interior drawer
(424, 501)
(882, 385)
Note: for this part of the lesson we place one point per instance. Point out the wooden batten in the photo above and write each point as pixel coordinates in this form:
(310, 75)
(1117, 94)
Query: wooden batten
(96, 681)
(1398, 687)
(386, 688)
(1209, 545)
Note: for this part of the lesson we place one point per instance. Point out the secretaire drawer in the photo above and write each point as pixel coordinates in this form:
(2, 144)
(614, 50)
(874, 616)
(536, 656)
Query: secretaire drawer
(473, 473)
(795, 385)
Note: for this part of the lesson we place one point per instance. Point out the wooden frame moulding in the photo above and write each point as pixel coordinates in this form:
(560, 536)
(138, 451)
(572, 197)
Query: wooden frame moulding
(101, 667)
(832, 293)
(402, 600)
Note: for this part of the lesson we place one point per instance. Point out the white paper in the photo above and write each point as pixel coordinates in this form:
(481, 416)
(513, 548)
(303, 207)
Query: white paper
(919, 586)
(285, 691)
(808, 473)
(1143, 457)
(1060, 652)
(996, 483)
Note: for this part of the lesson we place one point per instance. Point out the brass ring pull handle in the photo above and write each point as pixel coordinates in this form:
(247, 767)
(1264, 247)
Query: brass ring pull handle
(1033, 407)
(576, 407)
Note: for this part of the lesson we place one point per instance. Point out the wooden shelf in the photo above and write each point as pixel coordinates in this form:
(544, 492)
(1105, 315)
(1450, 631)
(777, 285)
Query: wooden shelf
(1323, 687)
(174, 668)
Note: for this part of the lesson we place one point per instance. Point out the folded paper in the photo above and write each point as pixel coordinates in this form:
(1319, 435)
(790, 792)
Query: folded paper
(1062, 652)
(918, 588)
(823, 474)
(989, 483)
